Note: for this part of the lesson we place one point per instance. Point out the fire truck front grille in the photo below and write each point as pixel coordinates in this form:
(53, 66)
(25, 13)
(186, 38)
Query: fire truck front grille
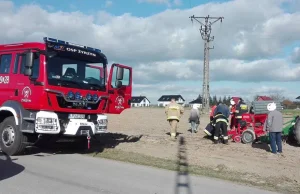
(76, 105)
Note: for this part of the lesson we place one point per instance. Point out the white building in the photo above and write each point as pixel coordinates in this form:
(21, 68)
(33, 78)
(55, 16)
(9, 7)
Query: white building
(139, 101)
(197, 102)
(164, 100)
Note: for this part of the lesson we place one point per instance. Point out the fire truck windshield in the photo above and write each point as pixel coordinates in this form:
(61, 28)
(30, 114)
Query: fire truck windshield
(74, 73)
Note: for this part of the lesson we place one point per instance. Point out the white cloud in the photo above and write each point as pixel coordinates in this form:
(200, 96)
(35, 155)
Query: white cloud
(220, 70)
(166, 46)
(296, 55)
(108, 3)
(167, 2)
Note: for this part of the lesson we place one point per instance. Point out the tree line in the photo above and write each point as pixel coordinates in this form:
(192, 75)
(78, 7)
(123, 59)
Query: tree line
(214, 100)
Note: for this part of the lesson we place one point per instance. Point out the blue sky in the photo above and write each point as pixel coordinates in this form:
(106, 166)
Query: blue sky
(118, 7)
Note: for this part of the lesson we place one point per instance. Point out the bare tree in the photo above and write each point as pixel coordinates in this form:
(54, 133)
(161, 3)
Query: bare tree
(277, 96)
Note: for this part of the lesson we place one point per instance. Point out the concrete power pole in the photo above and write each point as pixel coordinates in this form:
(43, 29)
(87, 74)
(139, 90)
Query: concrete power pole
(205, 31)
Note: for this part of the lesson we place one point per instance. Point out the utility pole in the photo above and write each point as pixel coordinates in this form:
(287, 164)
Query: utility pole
(205, 31)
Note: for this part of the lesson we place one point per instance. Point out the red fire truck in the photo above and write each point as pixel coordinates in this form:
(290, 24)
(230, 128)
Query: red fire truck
(57, 88)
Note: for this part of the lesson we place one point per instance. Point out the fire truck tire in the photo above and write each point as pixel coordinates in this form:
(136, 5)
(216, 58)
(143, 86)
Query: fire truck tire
(12, 140)
(297, 131)
(248, 136)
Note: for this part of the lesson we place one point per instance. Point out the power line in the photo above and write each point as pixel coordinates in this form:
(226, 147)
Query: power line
(205, 31)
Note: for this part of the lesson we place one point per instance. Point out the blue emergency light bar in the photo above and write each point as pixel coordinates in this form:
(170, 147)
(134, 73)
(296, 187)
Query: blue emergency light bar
(47, 39)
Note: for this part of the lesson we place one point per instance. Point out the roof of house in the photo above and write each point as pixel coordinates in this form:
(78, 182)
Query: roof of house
(138, 99)
(264, 98)
(197, 101)
(168, 97)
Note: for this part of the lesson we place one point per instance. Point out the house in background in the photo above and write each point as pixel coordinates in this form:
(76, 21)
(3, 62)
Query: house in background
(139, 101)
(197, 102)
(263, 98)
(164, 100)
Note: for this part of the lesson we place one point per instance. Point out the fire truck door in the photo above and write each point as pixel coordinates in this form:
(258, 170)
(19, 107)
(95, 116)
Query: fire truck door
(119, 86)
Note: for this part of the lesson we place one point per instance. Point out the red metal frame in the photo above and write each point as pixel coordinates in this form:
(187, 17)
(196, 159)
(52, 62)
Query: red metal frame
(253, 121)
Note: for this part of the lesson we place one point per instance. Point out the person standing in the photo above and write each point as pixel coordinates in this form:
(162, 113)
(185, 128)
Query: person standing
(194, 118)
(241, 108)
(274, 125)
(173, 112)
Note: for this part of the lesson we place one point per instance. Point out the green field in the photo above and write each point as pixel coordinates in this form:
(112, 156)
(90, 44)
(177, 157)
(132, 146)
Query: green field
(293, 112)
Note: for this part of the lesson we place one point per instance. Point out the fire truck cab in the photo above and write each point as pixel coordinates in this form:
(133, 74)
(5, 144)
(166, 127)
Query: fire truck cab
(57, 88)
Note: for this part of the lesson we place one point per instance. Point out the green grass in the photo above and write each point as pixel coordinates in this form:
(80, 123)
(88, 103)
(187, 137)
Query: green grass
(291, 112)
(221, 172)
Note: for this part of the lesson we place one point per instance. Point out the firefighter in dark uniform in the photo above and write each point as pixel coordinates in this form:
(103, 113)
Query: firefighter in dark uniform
(241, 108)
(220, 122)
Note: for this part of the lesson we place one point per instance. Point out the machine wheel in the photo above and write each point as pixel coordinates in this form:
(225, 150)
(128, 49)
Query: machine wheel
(248, 136)
(12, 140)
(297, 131)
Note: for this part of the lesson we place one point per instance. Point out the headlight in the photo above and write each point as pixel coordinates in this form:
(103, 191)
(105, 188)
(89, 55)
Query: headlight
(77, 96)
(46, 124)
(46, 121)
(70, 95)
(95, 97)
(102, 122)
(89, 97)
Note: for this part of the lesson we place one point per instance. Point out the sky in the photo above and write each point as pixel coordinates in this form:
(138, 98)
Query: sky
(256, 47)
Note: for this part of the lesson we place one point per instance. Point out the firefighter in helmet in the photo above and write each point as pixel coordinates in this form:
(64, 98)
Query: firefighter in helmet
(174, 112)
(232, 113)
(241, 108)
(220, 121)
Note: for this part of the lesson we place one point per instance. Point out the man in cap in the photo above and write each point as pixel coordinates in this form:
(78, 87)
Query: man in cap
(274, 125)
(174, 112)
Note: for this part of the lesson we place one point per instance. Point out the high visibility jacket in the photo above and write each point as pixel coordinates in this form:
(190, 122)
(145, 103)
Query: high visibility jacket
(174, 111)
(241, 108)
(220, 118)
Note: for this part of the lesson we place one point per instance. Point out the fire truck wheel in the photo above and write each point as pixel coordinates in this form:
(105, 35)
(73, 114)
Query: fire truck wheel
(297, 131)
(12, 139)
(248, 136)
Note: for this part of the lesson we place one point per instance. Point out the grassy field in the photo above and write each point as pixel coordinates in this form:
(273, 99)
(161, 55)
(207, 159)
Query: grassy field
(292, 112)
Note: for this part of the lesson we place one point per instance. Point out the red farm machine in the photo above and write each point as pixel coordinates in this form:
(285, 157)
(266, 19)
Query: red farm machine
(251, 126)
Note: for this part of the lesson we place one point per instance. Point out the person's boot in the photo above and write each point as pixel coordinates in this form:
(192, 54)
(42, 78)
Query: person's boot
(226, 141)
(216, 141)
(173, 136)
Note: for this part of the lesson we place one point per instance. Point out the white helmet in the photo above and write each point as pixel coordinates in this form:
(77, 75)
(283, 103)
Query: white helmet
(232, 102)
(271, 106)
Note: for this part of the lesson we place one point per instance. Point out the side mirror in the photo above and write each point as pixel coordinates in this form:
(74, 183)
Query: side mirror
(120, 73)
(118, 83)
(29, 59)
(28, 71)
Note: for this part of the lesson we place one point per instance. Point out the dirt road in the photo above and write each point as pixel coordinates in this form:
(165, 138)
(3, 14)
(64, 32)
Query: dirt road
(253, 161)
